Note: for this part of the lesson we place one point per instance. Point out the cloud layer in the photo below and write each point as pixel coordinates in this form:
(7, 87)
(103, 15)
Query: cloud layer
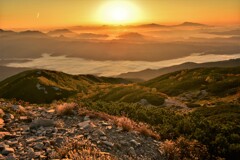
(74, 65)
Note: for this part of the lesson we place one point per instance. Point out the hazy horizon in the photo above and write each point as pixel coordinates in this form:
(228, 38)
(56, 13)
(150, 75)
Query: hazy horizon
(104, 37)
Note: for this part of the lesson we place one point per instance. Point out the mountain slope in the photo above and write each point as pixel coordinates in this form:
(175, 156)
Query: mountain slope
(153, 73)
(131, 93)
(217, 81)
(43, 86)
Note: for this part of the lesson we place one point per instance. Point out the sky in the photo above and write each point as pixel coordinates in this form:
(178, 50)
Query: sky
(56, 13)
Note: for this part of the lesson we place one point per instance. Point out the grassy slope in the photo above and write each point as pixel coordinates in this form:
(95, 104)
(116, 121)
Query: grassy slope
(218, 81)
(56, 85)
(131, 94)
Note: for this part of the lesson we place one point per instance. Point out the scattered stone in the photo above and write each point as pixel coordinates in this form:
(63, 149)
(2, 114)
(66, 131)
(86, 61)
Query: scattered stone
(1, 123)
(108, 143)
(135, 142)
(3, 134)
(11, 157)
(2, 146)
(60, 141)
(38, 146)
(131, 152)
(41, 123)
(86, 118)
(51, 111)
(22, 139)
(8, 117)
(1, 112)
(100, 132)
(7, 150)
(105, 124)
(104, 138)
(18, 108)
(143, 102)
(84, 124)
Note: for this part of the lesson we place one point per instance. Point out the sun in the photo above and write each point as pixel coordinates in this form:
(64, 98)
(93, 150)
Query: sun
(118, 12)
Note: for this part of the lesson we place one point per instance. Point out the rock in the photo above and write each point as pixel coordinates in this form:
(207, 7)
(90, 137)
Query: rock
(110, 144)
(134, 142)
(1, 112)
(37, 154)
(60, 141)
(2, 157)
(8, 117)
(30, 153)
(7, 150)
(105, 124)
(124, 143)
(51, 111)
(2, 146)
(109, 127)
(131, 152)
(84, 124)
(143, 102)
(41, 123)
(11, 156)
(104, 138)
(1, 123)
(25, 119)
(18, 108)
(38, 146)
(86, 118)
(3, 134)
(100, 132)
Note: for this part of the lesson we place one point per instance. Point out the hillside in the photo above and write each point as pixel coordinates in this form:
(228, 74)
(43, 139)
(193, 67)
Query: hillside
(119, 119)
(67, 131)
(153, 73)
(131, 93)
(45, 86)
(216, 81)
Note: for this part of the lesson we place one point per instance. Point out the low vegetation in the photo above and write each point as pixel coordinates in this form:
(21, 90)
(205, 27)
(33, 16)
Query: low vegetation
(217, 81)
(125, 123)
(209, 131)
(65, 109)
(217, 128)
(80, 149)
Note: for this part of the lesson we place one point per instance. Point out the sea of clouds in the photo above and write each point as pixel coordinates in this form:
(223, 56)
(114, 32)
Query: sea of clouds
(74, 65)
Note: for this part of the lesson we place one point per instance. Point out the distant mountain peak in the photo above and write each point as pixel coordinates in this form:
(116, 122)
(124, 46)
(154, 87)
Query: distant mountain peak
(58, 31)
(191, 24)
(151, 25)
(31, 33)
(131, 35)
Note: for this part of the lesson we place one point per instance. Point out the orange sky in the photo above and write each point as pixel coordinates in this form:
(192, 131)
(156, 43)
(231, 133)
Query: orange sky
(56, 13)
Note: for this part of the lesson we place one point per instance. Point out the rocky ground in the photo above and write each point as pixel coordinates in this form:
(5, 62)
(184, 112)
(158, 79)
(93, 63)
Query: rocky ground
(35, 132)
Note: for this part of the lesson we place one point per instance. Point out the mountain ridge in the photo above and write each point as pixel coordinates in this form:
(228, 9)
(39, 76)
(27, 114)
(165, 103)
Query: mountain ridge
(148, 74)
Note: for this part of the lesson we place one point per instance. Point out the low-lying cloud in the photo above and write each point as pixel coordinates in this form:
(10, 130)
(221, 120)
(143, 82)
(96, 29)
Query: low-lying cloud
(74, 65)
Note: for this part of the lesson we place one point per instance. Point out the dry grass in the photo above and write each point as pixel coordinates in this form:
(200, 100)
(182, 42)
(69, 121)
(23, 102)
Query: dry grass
(79, 149)
(125, 123)
(145, 130)
(93, 114)
(183, 149)
(65, 109)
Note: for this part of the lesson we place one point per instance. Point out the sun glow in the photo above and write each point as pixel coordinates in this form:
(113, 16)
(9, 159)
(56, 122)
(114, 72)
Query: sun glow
(118, 12)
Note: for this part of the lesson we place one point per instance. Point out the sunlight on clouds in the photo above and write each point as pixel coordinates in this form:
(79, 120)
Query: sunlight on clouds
(74, 65)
